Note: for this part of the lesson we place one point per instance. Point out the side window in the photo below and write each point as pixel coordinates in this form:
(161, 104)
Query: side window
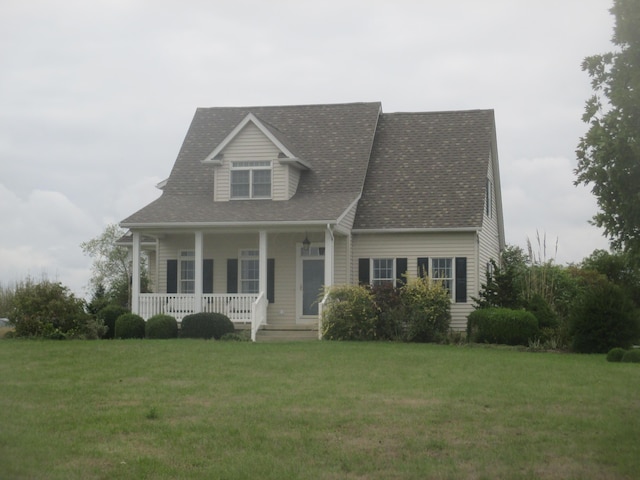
(488, 202)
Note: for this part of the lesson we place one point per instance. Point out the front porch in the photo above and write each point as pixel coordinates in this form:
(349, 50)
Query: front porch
(263, 280)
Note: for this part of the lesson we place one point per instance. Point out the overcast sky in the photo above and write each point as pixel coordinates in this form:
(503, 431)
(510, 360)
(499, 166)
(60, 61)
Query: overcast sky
(96, 97)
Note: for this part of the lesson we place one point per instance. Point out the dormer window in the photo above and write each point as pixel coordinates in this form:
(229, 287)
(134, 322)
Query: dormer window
(251, 179)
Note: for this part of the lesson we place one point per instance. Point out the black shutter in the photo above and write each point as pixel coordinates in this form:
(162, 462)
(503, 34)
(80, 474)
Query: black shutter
(461, 279)
(423, 267)
(232, 275)
(271, 276)
(207, 276)
(401, 271)
(172, 276)
(363, 271)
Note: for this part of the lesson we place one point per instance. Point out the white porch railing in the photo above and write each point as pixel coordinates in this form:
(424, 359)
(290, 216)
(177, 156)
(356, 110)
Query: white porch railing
(321, 306)
(258, 315)
(238, 307)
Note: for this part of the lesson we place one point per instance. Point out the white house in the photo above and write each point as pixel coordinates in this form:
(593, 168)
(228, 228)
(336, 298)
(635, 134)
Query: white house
(265, 207)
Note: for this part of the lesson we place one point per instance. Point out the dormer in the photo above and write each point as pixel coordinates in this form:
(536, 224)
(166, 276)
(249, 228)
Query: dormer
(255, 162)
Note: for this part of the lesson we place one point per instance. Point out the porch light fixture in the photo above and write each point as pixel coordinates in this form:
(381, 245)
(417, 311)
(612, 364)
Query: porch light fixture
(306, 244)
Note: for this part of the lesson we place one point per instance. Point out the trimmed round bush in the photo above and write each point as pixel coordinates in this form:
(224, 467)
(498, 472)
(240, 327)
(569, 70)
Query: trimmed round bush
(616, 354)
(129, 325)
(161, 326)
(631, 356)
(502, 325)
(350, 314)
(109, 315)
(206, 325)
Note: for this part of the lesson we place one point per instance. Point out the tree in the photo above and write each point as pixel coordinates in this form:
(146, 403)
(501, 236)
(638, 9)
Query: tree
(619, 269)
(112, 266)
(609, 153)
(504, 282)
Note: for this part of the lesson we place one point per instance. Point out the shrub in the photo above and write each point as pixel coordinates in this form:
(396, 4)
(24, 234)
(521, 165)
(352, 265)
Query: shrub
(161, 326)
(631, 356)
(242, 336)
(350, 314)
(616, 354)
(109, 315)
(206, 325)
(48, 310)
(129, 325)
(603, 317)
(390, 320)
(542, 311)
(502, 325)
(427, 310)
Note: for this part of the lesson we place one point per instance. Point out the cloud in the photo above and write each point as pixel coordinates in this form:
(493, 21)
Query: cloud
(539, 198)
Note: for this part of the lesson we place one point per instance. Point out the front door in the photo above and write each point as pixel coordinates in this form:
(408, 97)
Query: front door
(311, 281)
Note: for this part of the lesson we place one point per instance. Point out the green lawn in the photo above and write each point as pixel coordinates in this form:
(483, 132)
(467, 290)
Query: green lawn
(204, 409)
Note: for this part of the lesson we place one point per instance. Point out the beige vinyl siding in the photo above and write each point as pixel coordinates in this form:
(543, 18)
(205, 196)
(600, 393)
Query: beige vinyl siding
(414, 245)
(251, 145)
(341, 255)
(346, 222)
(293, 176)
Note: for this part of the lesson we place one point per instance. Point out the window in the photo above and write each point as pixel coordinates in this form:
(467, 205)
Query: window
(442, 271)
(251, 179)
(488, 202)
(187, 269)
(383, 273)
(249, 271)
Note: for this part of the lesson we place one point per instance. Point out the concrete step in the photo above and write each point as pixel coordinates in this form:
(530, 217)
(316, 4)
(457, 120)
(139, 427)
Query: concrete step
(291, 333)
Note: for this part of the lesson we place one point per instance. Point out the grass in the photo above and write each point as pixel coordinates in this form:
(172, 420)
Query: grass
(202, 410)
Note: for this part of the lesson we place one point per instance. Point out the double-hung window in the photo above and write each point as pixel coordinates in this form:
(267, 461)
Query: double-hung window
(383, 271)
(442, 271)
(251, 179)
(187, 272)
(249, 271)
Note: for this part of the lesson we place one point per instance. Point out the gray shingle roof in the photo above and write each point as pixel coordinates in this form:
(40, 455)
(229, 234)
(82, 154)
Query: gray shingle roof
(423, 170)
(427, 170)
(336, 140)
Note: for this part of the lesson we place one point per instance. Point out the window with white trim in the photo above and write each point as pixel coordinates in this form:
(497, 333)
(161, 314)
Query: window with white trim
(442, 271)
(187, 272)
(383, 271)
(249, 271)
(251, 179)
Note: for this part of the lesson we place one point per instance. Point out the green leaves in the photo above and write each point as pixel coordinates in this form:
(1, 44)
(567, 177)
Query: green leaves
(609, 153)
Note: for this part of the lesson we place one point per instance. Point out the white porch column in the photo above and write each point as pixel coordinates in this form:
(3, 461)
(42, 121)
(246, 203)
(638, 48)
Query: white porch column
(262, 279)
(328, 257)
(135, 274)
(198, 271)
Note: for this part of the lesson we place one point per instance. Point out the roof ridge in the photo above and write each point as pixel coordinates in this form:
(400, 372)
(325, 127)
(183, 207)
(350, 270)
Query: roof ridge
(439, 112)
(250, 107)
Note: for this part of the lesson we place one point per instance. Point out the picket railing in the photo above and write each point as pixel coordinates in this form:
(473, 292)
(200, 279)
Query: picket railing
(238, 307)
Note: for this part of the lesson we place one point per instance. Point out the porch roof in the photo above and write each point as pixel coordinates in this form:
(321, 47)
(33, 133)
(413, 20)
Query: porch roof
(182, 210)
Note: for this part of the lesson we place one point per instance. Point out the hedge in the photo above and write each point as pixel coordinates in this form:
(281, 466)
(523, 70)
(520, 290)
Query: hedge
(502, 326)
